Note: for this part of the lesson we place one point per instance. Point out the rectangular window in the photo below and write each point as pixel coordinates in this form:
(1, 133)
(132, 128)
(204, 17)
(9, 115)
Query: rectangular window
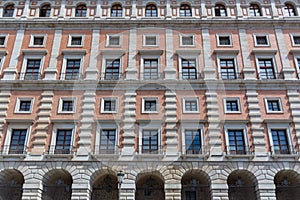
(150, 40)
(266, 69)
(150, 69)
(150, 105)
(75, 41)
(227, 69)
(190, 105)
(273, 105)
(63, 141)
(280, 141)
(236, 141)
(187, 40)
(32, 69)
(2, 40)
(109, 105)
(224, 40)
(193, 141)
(23, 105)
(17, 143)
(296, 40)
(113, 40)
(67, 105)
(261, 40)
(112, 70)
(189, 70)
(107, 141)
(232, 105)
(37, 40)
(72, 69)
(150, 141)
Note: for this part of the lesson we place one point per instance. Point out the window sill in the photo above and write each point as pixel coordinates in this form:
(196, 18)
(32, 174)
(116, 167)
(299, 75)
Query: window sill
(239, 156)
(285, 156)
(13, 156)
(59, 156)
(194, 156)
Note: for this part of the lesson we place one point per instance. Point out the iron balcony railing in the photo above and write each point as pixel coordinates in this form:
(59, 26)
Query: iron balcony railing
(195, 151)
(109, 150)
(277, 150)
(57, 149)
(156, 150)
(190, 76)
(71, 76)
(151, 76)
(230, 75)
(111, 76)
(274, 75)
(12, 149)
(239, 150)
(29, 76)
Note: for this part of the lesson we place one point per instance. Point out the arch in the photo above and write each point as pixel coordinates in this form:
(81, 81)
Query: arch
(220, 10)
(185, 10)
(9, 10)
(45, 10)
(105, 187)
(57, 184)
(242, 185)
(289, 9)
(11, 184)
(151, 10)
(287, 184)
(116, 10)
(195, 184)
(81, 10)
(254, 9)
(149, 186)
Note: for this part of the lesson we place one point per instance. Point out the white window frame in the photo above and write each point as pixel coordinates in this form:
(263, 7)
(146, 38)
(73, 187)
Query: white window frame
(273, 99)
(142, 68)
(2, 57)
(237, 99)
(288, 132)
(64, 65)
(296, 58)
(25, 61)
(192, 126)
(236, 127)
(224, 35)
(100, 127)
(188, 56)
(229, 56)
(31, 44)
(58, 126)
(150, 35)
(5, 41)
(110, 57)
(75, 35)
(187, 35)
(190, 99)
(144, 99)
(103, 99)
(9, 134)
(266, 56)
(261, 35)
(113, 35)
(18, 102)
(150, 126)
(292, 39)
(60, 106)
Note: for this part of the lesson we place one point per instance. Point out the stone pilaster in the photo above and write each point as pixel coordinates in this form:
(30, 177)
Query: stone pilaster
(91, 71)
(51, 71)
(32, 190)
(172, 191)
(26, 9)
(266, 189)
(170, 71)
(293, 99)
(129, 124)
(127, 190)
(4, 100)
(256, 123)
(219, 191)
(85, 130)
(62, 9)
(131, 71)
(171, 124)
(209, 71)
(41, 130)
(81, 190)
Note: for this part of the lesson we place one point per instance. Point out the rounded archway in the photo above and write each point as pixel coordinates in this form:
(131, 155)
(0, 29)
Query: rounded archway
(195, 185)
(287, 184)
(57, 184)
(11, 184)
(149, 186)
(242, 185)
(105, 187)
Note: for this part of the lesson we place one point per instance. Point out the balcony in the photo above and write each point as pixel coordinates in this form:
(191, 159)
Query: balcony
(111, 77)
(190, 76)
(57, 151)
(70, 76)
(264, 76)
(13, 151)
(239, 152)
(151, 76)
(29, 76)
(280, 152)
(230, 76)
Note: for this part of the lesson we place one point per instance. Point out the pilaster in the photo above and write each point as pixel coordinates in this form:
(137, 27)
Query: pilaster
(172, 191)
(131, 71)
(293, 99)
(209, 71)
(4, 100)
(32, 190)
(81, 190)
(266, 190)
(219, 191)
(91, 71)
(127, 190)
(170, 71)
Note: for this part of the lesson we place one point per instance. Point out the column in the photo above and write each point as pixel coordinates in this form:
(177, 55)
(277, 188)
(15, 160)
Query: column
(92, 71)
(287, 70)
(172, 191)
(81, 190)
(293, 99)
(248, 70)
(86, 127)
(219, 190)
(256, 123)
(51, 71)
(4, 100)
(170, 71)
(171, 124)
(10, 72)
(209, 70)
(131, 71)
(128, 149)
(41, 133)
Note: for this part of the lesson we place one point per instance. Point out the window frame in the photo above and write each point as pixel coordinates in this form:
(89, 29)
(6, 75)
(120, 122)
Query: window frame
(103, 99)
(64, 65)
(224, 35)
(185, 99)
(150, 126)
(286, 127)
(117, 10)
(293, 41)
(242, 127)
(278, 99)
(261, 45)
(71, 36)
(188, 56)
(297, 66)
(108, 36)
(185, 5)
(18, 104)
(271, 57)
(32, 37)
(144, 99)
(237, 99)
(13, 10)
(186, 35)
(80, 7)
(151, 13)
(5, 40)
(25, 62)
(219, 5)
(287, 8)
(228, 57)
(150, 35)
(192, 126)
(256, 9)
(7, 142)
(61, 126)
(106, 126)
(42, 7)
(60, 105)
(142, 66)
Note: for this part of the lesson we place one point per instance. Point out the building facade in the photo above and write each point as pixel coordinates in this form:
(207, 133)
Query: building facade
(190, 99)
